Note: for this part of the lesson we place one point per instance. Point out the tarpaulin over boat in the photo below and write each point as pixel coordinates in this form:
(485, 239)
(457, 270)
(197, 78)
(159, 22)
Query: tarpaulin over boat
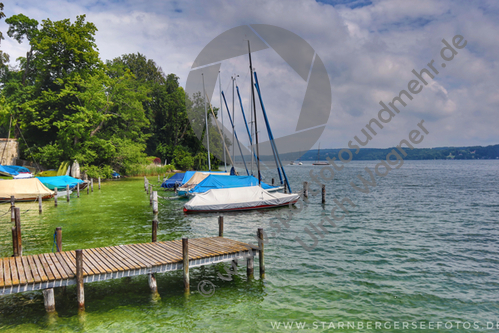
(60, 182)
(243, 198)
(187, 176)
(175, 179)
(17, 172)
(218, 181)
(23, 189)
(197, 178)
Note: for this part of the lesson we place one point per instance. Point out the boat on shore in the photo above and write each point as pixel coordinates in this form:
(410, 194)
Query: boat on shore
(24, 190)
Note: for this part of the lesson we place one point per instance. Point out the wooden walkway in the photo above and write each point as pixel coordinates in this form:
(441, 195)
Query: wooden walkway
(49, 270)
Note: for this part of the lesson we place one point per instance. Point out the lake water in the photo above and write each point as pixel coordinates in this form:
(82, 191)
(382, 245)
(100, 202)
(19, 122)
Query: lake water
(421, 247)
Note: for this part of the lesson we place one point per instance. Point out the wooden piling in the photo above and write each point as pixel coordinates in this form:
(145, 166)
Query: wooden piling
(92, 185)
(39, 204)
(80, 294)
(150, 195)
(55, 197)
(88, 189)
(260, 254)
(305, 189)
(154, 229)
(323, 194)
(49, 300)
(152, 283)
(67, 192)
(220, 226)
(99, 183)
(12, 206)
(273, 181)
(250, 267)
(14, 242)
(18, 232)
(77, 190)
(159, 180)
(155, 202)
(145, 184)
(58, 238)
(185, 254)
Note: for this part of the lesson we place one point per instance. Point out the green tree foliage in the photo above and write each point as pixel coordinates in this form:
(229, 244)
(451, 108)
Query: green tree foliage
(4, 57)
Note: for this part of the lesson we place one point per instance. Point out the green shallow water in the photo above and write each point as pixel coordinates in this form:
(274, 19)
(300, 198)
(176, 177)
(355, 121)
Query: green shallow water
(422, 246)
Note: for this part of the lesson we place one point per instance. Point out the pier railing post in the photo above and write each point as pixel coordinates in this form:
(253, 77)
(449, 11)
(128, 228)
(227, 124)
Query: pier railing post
(39, 204)
(155, 202)
(12, 206)
(220, 226)
(55, 197)
(185, 254)
(67, 192)
(261, 251)
(80, 294)
(18, 232)
(323, 194)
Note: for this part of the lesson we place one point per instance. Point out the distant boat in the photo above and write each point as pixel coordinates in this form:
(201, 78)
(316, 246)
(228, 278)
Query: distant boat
(319, 162)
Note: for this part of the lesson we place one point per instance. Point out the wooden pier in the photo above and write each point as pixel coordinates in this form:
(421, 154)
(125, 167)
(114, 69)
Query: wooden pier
(49, 270)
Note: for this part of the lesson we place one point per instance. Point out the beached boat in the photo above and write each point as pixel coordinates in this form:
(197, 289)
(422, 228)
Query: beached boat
(237, 199)
(24, 190)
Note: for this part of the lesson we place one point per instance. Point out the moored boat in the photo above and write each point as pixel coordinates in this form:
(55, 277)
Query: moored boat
(24, 190)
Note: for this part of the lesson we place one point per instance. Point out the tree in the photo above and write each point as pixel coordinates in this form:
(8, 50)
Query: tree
(4, 57)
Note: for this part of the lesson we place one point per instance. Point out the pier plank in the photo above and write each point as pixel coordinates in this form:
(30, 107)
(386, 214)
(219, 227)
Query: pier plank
(64, 265)
(40, 269)
(46, 267)
(57, 265)
(27, 270)
(20, 270)
(1, 274)
(13, 270)
(108, 268)
(34, 270)
(6, 272)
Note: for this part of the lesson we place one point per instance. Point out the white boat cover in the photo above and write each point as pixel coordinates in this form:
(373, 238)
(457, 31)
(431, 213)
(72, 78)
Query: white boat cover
(23, 189)
(242, 198)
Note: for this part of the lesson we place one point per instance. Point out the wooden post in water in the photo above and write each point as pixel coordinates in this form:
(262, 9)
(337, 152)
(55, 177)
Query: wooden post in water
(145, 184)
(12, 206)
(58, 238)
(260, 254)
(155, 202)
(305, 189)
(155, 229)
(152, 278)
(159, 180)
(49, 300)
(185, 254)
(92, 185)
(323, 194)
(55, 197)
(39, 204)
(99, 183)
(220, 226)
(150, 194)
(80, 295)
(19, 243)
(67, 192)
(77, 190)
(14, 242)
(272, 181)
(250, 267)
(88, 188)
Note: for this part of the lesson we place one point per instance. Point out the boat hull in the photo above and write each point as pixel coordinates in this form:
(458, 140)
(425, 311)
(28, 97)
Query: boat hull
(238, 208)
(46, 197)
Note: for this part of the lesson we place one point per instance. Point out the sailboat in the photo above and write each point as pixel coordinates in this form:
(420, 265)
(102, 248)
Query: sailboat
(245, 197)
(318, 161)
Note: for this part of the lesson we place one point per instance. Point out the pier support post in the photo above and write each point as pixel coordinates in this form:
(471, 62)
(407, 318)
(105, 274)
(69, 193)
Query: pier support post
(99, 183)
(155, 209)
(185, 254)
(12, 206)
(80, 295)
(323, 194)
(18, 232)
(220, 226)
(92, 185)
(58, 238)
(77, 190)
(49, 300)
(155, 229)
(55, 197)
(67, 192)
(305, 189)
(152, 283)
(250, 267)
(260, 254)
(39, 204)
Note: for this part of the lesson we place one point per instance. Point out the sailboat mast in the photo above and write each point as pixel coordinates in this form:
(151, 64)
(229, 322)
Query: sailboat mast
(233, 123)
(254, 113)
(206, 119)
(222, 115)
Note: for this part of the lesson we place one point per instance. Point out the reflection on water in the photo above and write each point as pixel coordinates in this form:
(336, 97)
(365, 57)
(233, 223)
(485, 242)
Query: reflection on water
(422, 246)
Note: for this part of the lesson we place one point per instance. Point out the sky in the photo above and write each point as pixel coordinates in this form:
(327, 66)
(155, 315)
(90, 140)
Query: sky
(369, 49)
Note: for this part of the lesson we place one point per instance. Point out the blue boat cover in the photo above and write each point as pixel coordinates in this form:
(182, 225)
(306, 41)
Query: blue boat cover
(217, 181)
(188, 175)
(175, 179)
(115, 174)
(60, 182)
(13, 169)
